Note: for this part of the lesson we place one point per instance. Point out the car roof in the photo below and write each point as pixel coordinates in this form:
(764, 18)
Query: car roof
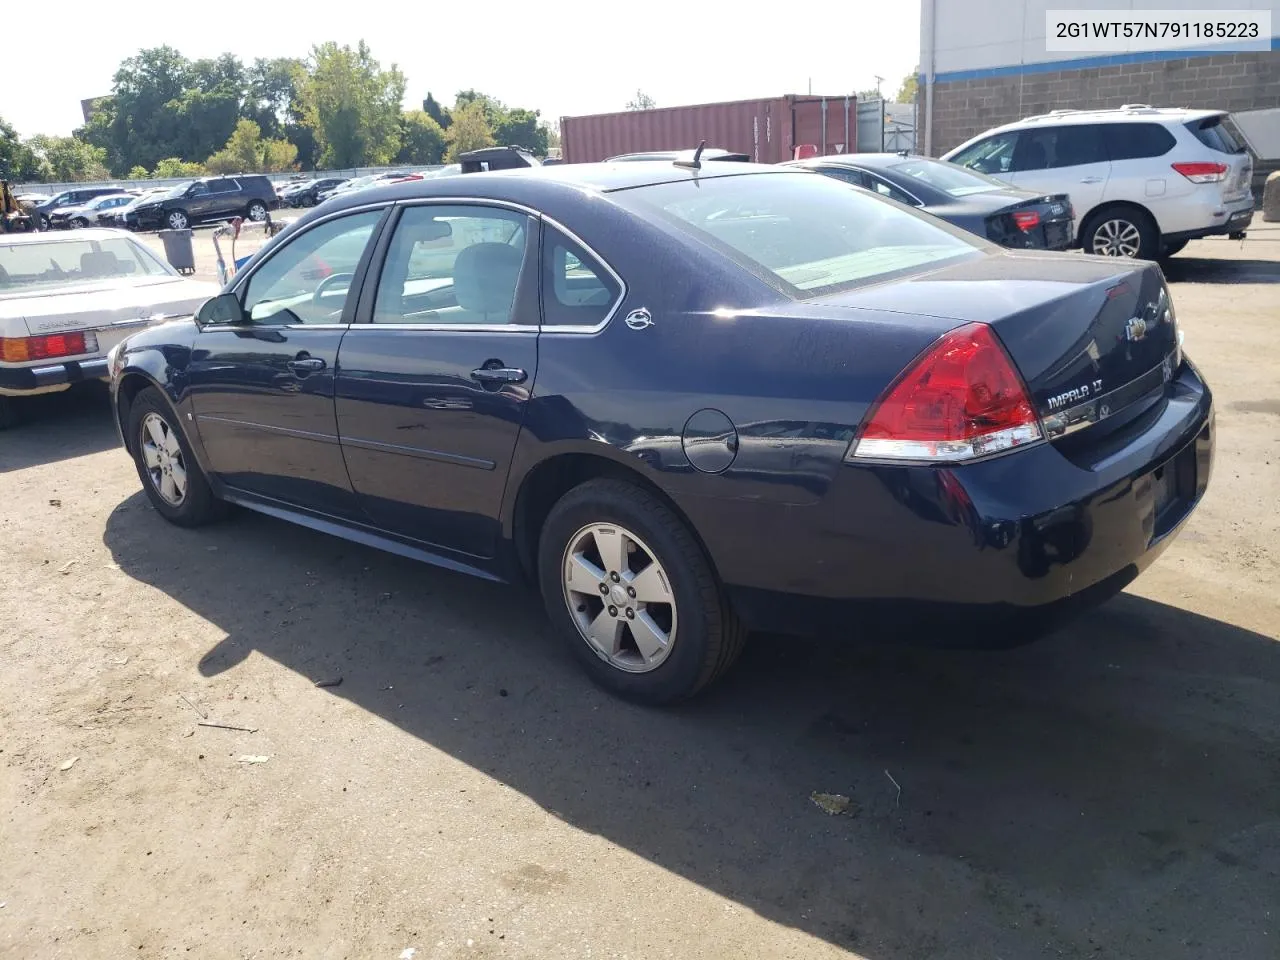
(1125, 114)
(860, 160)
(532, 183)
(89, 233)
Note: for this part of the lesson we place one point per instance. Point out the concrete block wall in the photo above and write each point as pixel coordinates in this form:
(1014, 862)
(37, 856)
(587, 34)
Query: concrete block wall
(1231, 81)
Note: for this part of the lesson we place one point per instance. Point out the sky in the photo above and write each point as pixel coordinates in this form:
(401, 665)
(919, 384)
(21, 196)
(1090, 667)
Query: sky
(564, 59)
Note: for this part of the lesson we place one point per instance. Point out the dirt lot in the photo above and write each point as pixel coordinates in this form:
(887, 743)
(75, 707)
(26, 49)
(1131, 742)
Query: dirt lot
(1113, 791)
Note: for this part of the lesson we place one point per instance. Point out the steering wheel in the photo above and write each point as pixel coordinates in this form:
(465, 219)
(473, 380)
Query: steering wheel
(331, 280)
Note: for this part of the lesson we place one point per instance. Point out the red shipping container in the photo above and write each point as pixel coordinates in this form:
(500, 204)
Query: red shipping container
(768, 131)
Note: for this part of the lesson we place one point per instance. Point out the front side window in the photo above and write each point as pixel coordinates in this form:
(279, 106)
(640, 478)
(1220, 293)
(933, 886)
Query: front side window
(804, 235)
(993, 155)
(308, 278)
(577, 290)
(453, 264)
(198, 190)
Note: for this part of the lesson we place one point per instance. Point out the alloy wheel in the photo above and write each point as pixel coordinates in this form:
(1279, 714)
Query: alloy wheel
(165, 463)
(257, 212)
(620, 597)
(1117, 238)
(178, 220)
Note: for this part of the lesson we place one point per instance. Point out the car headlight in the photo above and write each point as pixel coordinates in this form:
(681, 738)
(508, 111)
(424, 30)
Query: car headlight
(115, 360)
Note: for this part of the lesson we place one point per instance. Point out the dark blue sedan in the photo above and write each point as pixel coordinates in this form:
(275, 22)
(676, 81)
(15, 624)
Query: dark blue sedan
(687, 404)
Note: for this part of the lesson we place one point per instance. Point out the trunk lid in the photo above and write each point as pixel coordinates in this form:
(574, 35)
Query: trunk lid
(1093, 337)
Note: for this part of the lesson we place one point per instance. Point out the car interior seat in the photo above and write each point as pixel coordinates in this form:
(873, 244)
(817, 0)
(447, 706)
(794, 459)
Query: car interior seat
(485, 276)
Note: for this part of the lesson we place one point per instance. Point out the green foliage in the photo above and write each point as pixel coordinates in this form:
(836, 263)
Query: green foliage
(246, 151)
(353, 105)
(421, 138)
(70, 158)
(910, 85)
(470, 129)
(271, 98)
(138, 173)
(641, 101)
(511, 126)
(18, 162)
(173, 168)
(436, 112)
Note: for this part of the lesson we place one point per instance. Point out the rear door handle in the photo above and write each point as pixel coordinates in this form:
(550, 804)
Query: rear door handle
(490, 374)
(1091, 180)
(306, 365)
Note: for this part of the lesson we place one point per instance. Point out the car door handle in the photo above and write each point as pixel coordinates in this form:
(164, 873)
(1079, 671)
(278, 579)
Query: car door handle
(499, 374)
(1091, 180)
(306, 364)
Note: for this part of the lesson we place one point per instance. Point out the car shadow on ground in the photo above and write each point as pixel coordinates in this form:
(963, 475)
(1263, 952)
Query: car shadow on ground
(1185, 269)
(1109, 791)
(58, 426)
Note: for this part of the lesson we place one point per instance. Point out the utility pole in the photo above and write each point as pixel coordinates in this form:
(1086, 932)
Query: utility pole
(879, 80)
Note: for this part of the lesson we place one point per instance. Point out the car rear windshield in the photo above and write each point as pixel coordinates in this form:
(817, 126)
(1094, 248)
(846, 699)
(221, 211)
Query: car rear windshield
(948, 177)
(804, 233)
(26, 266)
(1215, 135)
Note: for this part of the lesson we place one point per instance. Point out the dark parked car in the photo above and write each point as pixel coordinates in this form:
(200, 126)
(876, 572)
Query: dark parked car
(972, 201)
(709, 153)
(497, 158)
(687, 404)
(308, 194)
(213, 198)
(69, 198)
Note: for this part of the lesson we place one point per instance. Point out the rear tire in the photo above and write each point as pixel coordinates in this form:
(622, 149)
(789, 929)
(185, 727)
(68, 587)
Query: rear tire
(166, 465)
(1172, 249)
(1124, 231)
(687, 604)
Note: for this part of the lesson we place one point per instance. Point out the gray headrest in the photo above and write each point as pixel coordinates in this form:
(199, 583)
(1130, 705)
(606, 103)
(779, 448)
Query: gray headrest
(485, 277)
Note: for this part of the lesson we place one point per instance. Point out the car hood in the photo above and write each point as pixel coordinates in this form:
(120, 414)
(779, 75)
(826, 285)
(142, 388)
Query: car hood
(97, 304)
(69, 211)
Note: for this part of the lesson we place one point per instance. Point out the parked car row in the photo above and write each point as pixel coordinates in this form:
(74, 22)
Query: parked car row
(512, 377)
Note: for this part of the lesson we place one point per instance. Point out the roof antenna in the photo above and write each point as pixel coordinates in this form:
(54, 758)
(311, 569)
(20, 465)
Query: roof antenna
(696, 162)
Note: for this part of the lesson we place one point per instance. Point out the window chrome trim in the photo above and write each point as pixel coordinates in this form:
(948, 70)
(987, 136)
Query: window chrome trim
(550, 221)
(446, 327)
(242, 279)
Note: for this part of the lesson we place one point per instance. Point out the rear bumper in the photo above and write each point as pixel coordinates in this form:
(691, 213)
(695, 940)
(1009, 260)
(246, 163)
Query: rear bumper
(15, 381)
(1237, 222)
(943, 555)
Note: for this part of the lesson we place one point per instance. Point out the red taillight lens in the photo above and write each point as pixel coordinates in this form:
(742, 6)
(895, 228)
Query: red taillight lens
(24, 349)
(1026, 220)
(962, 399)
(1203, 172)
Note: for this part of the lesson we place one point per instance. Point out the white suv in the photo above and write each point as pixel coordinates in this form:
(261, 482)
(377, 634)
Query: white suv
(1143, 181)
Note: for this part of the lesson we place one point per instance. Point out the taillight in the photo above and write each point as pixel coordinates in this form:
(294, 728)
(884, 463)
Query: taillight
(1206, 172)
(23, 349)
(962, 399)
(1026, 220)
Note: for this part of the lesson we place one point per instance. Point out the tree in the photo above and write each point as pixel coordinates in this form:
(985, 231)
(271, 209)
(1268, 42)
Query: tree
(869, 94)
(143, 125)
(910, 85)
(436, 112)
(271, 94)
(18, 162)
(552, 131)
(138, 173)
(353, 105)
(247, 152)
(173, 168)
(520, 128)
(642, 101)
(470, 130)
(70, 158)
(421, 138)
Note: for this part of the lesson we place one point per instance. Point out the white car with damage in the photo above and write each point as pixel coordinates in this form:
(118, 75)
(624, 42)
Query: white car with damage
(65, 301)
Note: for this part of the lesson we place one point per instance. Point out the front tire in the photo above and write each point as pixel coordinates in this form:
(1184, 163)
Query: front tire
(634, 594)
(257, 211)
(8, 413)
(170, 474)
(178, 220)
(1125, 232)
(79, 223)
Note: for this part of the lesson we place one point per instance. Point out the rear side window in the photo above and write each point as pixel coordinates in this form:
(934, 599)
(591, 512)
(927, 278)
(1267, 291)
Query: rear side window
(1134, 141)
(577, 290)
(805, 235)
(1056, 147)
(1215, 135)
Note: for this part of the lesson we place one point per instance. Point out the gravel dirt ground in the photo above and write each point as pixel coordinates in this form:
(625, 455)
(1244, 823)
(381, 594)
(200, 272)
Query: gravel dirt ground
(1112, 791)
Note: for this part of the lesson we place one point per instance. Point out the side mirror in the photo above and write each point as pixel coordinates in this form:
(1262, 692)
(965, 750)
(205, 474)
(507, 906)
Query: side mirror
(222, 310)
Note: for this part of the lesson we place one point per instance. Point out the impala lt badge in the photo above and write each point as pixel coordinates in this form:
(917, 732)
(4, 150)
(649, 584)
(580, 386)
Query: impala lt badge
(639, 319)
